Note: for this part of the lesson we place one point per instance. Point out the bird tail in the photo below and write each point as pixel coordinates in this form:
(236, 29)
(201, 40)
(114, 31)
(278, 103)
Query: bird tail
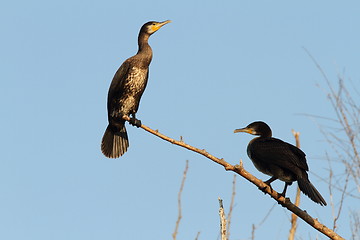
(115, 141)
(308, 189)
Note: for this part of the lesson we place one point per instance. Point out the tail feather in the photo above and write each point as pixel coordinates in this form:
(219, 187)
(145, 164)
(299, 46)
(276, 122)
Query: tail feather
(115, 142)
(308, 189)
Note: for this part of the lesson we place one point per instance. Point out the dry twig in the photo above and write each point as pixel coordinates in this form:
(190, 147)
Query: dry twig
(222, 220)
(231, 206)
(297, 199)
(343, 136)
(179, 201)
(253, 232)
(197, 236)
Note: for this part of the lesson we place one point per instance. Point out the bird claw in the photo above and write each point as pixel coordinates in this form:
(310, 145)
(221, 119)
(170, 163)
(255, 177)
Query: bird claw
(264, 188)
(135, 122)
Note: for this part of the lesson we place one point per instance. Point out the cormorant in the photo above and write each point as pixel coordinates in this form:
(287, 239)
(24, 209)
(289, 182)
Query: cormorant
(279, 159)
(125, 92)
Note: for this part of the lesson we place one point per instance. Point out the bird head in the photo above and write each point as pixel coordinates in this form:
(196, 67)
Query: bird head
(152, 26)
(256, 128)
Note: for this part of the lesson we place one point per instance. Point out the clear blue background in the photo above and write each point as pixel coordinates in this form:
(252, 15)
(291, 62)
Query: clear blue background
(218, 66)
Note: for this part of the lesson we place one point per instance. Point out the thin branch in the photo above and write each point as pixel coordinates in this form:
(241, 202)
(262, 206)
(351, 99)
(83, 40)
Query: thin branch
(341, 202)
(347, 117)
(331, 174)
(253, 228)
(179, 201)
(222, 220)
(231, 206)
(355, 225)
(197, 236)
(339, 188)
(297, 199)
(285, 202)
(344, 140)
(266, 216)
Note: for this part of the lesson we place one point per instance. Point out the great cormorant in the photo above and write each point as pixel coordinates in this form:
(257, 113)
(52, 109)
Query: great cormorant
(279, 159)
(125, 92)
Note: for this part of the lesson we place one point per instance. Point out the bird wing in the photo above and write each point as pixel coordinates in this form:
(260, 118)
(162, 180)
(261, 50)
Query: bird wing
(278, 152)
(116, 89)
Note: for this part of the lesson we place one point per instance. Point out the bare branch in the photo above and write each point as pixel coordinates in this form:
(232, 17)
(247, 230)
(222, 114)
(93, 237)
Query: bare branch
(253, 232)
(297, 199)
(266, 216)
(179, 201)
(197, 236)
(331, 194)
(347, 113)
(222, 220)
(285, 202)
(231, 206)
(344, 138)
(341, 202)
(355, 225)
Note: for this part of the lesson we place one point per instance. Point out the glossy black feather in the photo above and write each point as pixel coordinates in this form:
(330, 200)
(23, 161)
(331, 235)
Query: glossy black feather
(277, 152)
(280, 160)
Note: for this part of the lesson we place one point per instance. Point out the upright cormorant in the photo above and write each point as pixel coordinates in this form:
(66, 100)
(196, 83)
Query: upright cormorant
(125, 92)
(280, 160)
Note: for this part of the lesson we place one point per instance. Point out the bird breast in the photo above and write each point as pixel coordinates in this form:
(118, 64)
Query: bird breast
(136, 80)
(134, 87)
(265, 164)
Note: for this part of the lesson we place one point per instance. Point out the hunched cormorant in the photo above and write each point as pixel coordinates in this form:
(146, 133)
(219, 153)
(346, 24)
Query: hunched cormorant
(125, 92)
(279, 159)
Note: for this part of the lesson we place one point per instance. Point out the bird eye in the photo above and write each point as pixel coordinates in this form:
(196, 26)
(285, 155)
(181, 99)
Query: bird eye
(154, 24)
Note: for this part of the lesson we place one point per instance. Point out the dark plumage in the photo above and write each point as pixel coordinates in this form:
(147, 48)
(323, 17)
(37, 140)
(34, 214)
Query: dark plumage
(280, 160)
(125, 92)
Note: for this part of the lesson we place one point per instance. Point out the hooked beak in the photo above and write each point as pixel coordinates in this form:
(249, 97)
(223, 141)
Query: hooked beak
(160, 24)
(246, 130)
(164, 22)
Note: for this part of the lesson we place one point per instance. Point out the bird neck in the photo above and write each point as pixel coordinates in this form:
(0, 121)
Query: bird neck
(143, 43)
(266, 134)
(144, 48)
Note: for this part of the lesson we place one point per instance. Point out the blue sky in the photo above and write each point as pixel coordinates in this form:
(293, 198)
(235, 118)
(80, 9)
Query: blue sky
(218, 66)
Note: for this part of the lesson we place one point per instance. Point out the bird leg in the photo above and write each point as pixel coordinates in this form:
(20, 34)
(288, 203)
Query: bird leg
(284, 191)
(134, 121)
(268, 183)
